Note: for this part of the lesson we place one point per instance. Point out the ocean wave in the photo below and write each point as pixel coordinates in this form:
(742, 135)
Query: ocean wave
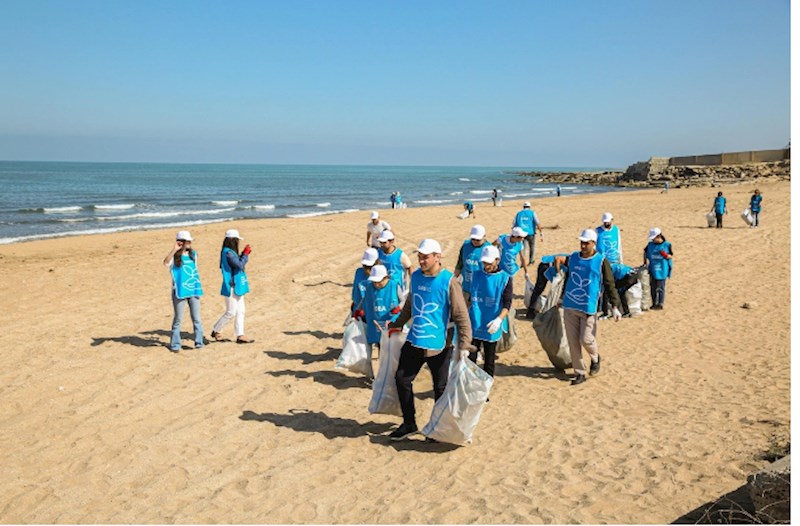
(62, 209)
(480, 191)
(455, 193)
(125, 228)
(262, 207)
(225, 203)
(382, 203)
(323, 205)
(125, 206)
(464, 179)
(434, 201)
(157, 215)
(326, 213)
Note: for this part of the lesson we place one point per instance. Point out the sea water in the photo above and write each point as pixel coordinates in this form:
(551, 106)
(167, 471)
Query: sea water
(52, 199)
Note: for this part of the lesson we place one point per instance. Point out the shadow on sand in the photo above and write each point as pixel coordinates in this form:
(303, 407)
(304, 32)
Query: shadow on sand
(320, 335)
(331, 353)
(307, 421)
(332, 378)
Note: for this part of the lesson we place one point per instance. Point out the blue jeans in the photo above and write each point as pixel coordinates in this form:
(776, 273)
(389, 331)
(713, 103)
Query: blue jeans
(180, 310)
(658, 290)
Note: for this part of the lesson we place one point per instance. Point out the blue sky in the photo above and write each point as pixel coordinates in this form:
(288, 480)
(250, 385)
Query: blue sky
(505, 83)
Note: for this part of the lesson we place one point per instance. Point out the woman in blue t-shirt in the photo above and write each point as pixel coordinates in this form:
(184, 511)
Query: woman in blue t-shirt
(755, 207)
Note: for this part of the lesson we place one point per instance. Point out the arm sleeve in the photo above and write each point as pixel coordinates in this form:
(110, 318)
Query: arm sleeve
(459, 263)
(403, 317)
(460, 315)
(236, 262)
(405, 261)
(609, 284)
(508, 294)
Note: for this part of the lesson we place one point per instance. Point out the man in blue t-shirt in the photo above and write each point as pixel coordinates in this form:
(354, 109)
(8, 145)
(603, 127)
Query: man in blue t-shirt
(720, 207)
(528, 221)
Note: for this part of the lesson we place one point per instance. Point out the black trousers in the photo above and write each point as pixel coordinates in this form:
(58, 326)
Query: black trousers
(622, 285)
(719, 220)
(489, 354)
(538, 287)
(411, 360)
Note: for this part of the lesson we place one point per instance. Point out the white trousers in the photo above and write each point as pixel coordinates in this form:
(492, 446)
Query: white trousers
(234, 310)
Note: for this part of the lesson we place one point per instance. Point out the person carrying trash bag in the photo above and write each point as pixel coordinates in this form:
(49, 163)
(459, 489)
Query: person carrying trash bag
(435, 299)
(588, 273)
(490, 300)
(368, 260)
(549, 323)
(658, 258)
(469, 258)
(720, 208)
(528, 221)
(382, 303)
(755, 206)
(395, 260)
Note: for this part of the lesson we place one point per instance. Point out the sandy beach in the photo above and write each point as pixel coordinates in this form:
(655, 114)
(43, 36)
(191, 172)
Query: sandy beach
(100, 423)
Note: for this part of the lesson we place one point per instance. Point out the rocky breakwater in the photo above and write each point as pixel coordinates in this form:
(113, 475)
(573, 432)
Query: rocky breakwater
(657, 171)
(593, 178)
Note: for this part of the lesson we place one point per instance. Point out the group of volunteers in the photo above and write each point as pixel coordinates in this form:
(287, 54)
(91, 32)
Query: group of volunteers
(187, 288)
(720, 208)
(475, 299)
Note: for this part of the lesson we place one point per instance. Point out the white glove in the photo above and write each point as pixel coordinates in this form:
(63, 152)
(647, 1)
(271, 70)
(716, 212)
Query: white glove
(616, 314)
(494, 325)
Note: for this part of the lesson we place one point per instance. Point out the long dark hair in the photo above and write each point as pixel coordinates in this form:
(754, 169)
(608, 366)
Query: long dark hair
(177, 261)
(231, 243)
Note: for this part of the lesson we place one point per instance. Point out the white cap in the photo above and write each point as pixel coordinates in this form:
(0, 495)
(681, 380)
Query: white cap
(233, 233)
(607, 217)
(588, 235)
(527, 204)
(183, 235)
(429, 246)
(386, 235)
(378, 273)
(477, 232)
(374, 215)
(518, 232)
(370, 257)
(489, 254)
(654, 233)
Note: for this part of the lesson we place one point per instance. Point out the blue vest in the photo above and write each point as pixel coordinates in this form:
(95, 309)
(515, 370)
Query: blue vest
(378, 305)
(231, 277)
(608, 243)
(469, 205)
(755, 203)
(508, 254)
(659, 266)
(525, 221)
(186, 278)
(359, 276)
(620, 271)
(470, 262)
(430, 309)
(393, 265)
(486, 303)
(719, 205)
(585, 283)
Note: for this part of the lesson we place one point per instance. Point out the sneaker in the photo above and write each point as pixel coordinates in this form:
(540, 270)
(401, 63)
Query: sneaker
(431, 440)
(657, 307)
(626, 315)
(594, 368)
(579, 379)
(603, 317)
(403, 431)
(174, 349)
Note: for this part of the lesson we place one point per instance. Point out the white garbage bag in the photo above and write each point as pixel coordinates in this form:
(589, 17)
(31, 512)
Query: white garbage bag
(529, 286)
(549, 327)
(644, 282)
(509, 338)
(385, 399)
(634, 298)
(711, 219)
(355, 355)
(456, 413)
(464, 214)
(747, 216)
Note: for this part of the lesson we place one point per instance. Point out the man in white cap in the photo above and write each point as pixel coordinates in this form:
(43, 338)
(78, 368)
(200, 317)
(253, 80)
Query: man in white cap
(511, 247)
(381, 303)
(436, 298)
(375, 226)
(490, 300)
(609, 241)
(527, 220)
(469, 257)
(368, 260)
(588, 273)
(394, 259)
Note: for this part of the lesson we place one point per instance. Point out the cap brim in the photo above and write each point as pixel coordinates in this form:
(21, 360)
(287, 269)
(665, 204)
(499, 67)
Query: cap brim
(487, 260)
(585, 239)
(376, 280)
(477, 238)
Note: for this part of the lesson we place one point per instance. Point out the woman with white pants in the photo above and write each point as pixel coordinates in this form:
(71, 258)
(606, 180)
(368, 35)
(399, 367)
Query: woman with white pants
(234, 286)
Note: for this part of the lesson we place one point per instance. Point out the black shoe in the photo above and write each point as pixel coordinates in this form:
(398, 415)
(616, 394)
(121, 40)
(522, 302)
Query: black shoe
(530, 314)
(658, 307)
(402, 432)
(431, 440)
(594, 368)
(579, 379)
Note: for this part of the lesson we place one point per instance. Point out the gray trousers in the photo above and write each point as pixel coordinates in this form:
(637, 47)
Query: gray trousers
(581, 331)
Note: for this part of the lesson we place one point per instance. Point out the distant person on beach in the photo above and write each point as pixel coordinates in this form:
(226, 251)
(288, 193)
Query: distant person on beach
(541, 282)
(375, 226)
(470, 208)
(469, 258)
(558, 190)
(609, 240)
(511, 247)
(395, 260)
(399, 200)
(666, 187)
(393, 199)
(588, 273)
(494, 196)
(527, 220)
(381, 303)
(436, 299)
(720, 208)
(234, 286)
(658, 258)
(755, 206)
(491, 293)
(368, 260)
(186, 289)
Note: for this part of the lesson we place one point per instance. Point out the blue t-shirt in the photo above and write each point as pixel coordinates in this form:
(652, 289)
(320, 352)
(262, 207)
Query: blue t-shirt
(719, 205)
(755, 203)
